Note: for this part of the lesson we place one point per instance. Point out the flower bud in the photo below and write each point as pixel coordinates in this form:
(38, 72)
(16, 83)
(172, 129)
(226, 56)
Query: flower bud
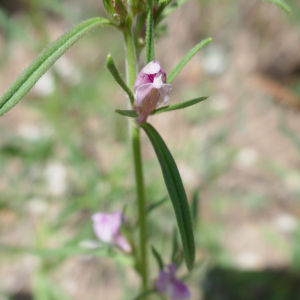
(116, 10)
(138, 6)
(150, 90)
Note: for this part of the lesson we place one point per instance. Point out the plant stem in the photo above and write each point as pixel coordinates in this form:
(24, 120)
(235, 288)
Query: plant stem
(131, 66)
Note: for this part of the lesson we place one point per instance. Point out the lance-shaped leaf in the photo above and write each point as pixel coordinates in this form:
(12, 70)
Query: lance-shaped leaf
(156, 204)
(149, 32)
(181, 105)
(127, 113)
(176, 192)
(44, 61)
(172, 8)
(281, 4)
(175, 245)
(186, 59)
(195, 207)
(157, 258)
(158, 13)
(110, 64)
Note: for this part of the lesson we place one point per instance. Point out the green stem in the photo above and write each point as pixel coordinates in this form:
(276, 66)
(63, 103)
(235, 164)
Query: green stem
(131, 66)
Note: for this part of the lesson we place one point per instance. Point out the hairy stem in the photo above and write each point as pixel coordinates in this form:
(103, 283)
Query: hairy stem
(131, 66)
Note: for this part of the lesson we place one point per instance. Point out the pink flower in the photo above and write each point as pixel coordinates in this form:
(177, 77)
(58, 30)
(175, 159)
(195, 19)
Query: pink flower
(107, 228)
(169, 285)
(150, 90)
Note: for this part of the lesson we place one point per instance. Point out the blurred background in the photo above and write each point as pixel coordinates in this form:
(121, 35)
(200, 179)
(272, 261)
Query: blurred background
(64, 152)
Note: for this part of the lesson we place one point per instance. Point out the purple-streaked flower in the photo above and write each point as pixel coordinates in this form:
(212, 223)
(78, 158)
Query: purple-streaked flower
(107, 228)
(150, 90)
(169, 285)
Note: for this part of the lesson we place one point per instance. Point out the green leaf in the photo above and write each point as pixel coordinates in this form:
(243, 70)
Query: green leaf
(158, 258)
(181, 105)
(195, 207)
(172, 8)
(110, 64)
(149, 33)
(175, 245)
(127, 113)
(156, 204)
(186, 59)
(67, 251)
(281, 4)
(176, 192)
(44, 61)
(158, 13)
(143, 295)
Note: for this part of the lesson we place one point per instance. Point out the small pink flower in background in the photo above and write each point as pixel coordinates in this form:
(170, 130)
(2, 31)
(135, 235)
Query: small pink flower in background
(150, 90)
(169, 285)
(107, 228)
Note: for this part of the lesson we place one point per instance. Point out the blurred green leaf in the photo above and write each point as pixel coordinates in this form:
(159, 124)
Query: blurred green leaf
(158, 13)
(110, 64)
(156, 204)
(66, 252)
(44, 61)
(186, 59)
(158, 258)
(195, 207)
(281, 4)
(176, 191)
(175, 245)
(143, 295)
(172, 8)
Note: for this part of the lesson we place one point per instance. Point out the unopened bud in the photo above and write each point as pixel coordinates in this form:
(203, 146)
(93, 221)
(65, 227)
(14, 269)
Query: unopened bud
(138, 6)
(117, 10)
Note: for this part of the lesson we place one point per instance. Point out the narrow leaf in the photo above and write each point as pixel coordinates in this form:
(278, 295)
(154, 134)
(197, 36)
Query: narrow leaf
(186, 59)
(158, 13)
(127, 113)
(172, 8)
(175, 245)
(144, 294)
(281, 4)
(158, 258)
(149, 33)
(156, 204)
(176, 192)
(110, 64)
(44, 61)
(180, 105)
(195, 207)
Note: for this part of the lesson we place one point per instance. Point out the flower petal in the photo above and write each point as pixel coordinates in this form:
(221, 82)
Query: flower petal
(106, 226)
(157, 82)
(142, 92)
(141, 79)
(122, 243)
(164, 93)
(179, 290)
(153, 67)
(163, 282)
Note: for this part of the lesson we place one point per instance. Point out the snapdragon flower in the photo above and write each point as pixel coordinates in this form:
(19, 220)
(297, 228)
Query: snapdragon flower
(150, 90)
(168, 284)
(107, 228)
